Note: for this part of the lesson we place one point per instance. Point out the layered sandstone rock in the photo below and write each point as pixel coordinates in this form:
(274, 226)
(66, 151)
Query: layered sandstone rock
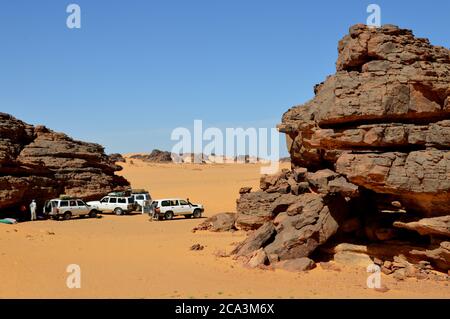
(37, 163)
(291, 224)
(437, 226)
(383, 120)
(370, 160)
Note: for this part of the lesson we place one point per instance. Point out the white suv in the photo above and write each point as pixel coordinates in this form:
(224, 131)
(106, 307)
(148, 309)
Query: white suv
(114, 204)
(142, 199)
(68, 208)
(170, 207)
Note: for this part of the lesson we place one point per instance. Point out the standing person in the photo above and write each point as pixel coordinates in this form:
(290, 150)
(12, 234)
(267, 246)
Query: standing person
(33, 207)
(152, 212)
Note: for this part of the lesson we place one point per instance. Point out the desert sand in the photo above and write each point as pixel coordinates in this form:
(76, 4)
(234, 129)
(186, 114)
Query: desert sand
(131, 257)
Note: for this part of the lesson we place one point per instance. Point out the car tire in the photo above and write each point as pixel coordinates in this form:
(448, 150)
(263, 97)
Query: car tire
(118, 211)
(67, 215)
(93, 214)
(197, 213)
(188, 216)
(168, 215)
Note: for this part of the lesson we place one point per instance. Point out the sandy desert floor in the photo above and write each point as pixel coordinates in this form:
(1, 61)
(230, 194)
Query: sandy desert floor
(131, 257)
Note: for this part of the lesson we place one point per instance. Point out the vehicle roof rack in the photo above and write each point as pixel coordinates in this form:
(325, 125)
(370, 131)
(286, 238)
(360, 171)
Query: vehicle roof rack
(118, 194)
(67, 197)
(138, 191)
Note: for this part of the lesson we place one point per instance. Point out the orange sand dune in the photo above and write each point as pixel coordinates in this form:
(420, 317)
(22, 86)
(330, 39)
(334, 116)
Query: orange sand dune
(130, 257)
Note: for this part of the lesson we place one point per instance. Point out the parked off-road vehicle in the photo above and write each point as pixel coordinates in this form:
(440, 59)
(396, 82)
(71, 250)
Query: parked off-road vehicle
(119, 205)
(171, 207)
(142, 198)
(66, 208)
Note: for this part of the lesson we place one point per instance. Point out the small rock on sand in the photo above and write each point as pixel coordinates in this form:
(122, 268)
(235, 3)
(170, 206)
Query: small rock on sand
(197, 247)
(297, 265)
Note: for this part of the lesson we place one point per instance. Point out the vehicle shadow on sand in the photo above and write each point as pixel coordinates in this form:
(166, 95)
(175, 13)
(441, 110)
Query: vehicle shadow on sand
(177, 219)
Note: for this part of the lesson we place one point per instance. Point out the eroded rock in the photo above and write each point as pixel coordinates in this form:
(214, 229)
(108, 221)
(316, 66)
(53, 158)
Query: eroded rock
(370, 156)
(256, 240)
(218, 223)
(297, 264)
(383, 120)
(438, 226)
(37, 163)
(439, 256)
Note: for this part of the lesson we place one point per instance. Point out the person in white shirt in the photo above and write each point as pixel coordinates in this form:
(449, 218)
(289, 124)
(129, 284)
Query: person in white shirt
(33, 207)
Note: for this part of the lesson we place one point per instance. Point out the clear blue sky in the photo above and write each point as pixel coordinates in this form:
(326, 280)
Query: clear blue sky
(138, 69)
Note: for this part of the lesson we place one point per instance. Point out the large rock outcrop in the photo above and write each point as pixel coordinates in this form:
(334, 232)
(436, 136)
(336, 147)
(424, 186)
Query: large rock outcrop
(37, 163)
(370, 158)
(383, 120)
(304, 210)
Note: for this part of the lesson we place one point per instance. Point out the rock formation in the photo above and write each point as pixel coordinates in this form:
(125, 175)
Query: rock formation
(156, 156)
(383, 120)
(370, 158)
(37, 163)
(117, 158)
(218, 223)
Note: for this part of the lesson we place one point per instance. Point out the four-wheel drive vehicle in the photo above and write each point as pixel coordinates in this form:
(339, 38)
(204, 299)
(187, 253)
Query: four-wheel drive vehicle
(141, 197)
(168, 208)
(68, 208)
(114, 204)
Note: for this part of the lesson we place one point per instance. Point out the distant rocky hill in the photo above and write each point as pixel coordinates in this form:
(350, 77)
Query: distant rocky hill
(117, 158)
(158, 156)
(37, 163)
(215, 159)
(155, 156)
(370, 153)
